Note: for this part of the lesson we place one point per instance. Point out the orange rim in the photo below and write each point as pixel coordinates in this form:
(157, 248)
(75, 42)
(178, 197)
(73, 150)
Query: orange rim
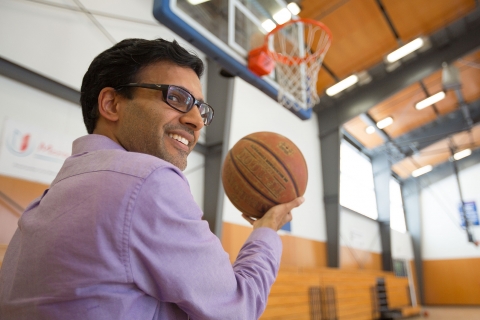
(296, 60)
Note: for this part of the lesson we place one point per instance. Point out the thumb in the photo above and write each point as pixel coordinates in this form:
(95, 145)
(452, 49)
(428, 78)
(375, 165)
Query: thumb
(293, 204)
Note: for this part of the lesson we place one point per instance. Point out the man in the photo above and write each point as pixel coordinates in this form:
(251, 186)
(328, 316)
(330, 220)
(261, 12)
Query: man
(118, 234)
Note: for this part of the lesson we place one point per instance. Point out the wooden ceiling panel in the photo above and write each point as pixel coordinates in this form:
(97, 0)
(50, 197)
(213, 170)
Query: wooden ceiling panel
(361, 35)
(433, 83)
(356, 127)
(318, 9)
(413, 18)
(404, 168)
(434, 154)
(438, 152)
(324, 81)
(470, 76)
(465, 140)
(401, 108)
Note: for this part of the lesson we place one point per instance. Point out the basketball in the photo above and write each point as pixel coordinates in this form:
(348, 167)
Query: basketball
(261, 170)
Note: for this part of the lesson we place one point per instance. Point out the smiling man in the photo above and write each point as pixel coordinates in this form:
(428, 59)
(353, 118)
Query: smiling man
(118, 234)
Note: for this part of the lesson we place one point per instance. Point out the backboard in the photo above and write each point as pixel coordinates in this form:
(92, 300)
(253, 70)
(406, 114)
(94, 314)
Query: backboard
(226, 30)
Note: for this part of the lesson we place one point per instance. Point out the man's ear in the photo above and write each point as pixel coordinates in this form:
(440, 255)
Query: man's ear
(108, 101)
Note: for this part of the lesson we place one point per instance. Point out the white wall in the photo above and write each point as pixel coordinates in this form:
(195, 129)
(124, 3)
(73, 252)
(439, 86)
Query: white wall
(402, 248)
(33, 107)
(61, 43)
(37, 109)
(442, 236)
(253, 111)
(359, 232)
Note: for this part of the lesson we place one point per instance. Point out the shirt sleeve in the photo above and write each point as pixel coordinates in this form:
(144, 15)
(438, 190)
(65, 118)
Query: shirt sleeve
(175, 257)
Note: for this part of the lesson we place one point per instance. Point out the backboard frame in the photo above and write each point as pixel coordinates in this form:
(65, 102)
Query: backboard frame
(168, 14)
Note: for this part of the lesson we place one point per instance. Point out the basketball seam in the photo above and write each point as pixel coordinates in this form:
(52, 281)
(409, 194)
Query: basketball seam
(245, 178)
(279, 161)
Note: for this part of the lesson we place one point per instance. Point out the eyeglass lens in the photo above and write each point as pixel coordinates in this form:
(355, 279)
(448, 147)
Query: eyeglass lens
(182, 100)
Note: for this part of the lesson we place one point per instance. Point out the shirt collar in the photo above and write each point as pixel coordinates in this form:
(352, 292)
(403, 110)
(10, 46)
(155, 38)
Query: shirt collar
(94, 142)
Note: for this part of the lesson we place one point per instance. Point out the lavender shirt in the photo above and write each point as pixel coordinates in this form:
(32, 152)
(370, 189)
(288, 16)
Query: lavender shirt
(119, 236)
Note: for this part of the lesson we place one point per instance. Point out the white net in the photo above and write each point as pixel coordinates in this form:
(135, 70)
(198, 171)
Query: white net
(298, 49)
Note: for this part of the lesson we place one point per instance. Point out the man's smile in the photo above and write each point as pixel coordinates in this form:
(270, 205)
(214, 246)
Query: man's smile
(179, 138)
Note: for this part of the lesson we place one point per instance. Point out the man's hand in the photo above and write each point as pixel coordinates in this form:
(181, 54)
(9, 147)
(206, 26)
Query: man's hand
(277, 216)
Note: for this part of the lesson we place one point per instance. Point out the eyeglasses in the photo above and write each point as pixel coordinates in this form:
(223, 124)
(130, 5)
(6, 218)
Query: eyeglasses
(178, 98)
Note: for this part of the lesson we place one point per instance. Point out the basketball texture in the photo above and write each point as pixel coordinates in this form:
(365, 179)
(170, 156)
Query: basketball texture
(263, 169)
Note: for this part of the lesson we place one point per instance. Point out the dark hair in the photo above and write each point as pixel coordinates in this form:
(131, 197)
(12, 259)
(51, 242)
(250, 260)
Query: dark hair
(121, 64)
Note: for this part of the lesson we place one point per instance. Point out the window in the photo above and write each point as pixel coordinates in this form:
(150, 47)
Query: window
(357, 191)
(397, 215)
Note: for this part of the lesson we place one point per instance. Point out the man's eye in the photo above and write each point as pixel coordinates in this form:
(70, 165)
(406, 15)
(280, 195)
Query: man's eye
(174, 98)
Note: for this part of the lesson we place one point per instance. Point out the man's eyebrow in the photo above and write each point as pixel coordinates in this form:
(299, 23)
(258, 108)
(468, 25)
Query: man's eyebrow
(201, 100)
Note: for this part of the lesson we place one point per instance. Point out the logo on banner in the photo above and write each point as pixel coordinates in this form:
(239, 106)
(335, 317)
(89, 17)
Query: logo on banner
(20, 143)
(30, 153)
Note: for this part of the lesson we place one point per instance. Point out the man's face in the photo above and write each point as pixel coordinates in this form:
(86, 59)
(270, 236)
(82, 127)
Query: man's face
(147, 124)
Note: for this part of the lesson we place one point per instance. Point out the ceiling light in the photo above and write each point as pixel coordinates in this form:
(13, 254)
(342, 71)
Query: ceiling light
(384, 123)
(342, 85)
(405, 50)
(195, 2)
(294, 8)
(462, 154)
(430, 100)
(421, 171)
(268, 25)
(370, 130)
(282, 16)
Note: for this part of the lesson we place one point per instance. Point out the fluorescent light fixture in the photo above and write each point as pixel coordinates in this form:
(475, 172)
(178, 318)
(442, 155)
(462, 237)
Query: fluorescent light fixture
(294, 8)
(268, 25)
(405, 50)
(384, 123)
(462, 154)
(282, 16)
(370, 130)
(430, 100)
(342, 85)
(421, 171)
(195, 2)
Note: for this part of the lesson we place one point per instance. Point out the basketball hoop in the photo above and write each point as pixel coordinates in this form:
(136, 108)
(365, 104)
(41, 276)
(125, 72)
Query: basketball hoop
(297, 47)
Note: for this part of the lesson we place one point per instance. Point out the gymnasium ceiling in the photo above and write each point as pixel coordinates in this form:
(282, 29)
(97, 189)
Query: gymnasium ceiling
(364, 32)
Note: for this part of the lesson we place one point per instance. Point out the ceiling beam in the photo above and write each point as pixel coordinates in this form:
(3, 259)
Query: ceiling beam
(445, 170)
(433, 132)
(362, 98)
(35, 80)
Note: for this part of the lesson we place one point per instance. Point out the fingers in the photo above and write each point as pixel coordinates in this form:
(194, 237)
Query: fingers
(250, 220)
(286, 219)
(277, 216)
(293, 204)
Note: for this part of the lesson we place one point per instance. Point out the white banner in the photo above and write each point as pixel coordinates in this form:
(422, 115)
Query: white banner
(30, 153)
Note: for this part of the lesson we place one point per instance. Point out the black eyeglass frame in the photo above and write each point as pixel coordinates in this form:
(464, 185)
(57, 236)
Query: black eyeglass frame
(164, 88)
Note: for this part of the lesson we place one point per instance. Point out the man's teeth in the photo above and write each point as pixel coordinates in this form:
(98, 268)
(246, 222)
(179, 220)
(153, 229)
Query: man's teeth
(178, 138)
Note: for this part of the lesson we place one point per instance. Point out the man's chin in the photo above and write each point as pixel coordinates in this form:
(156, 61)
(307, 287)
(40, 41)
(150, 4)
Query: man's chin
(180, 164)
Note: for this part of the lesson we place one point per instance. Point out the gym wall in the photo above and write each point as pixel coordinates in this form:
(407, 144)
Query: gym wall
(450, 263)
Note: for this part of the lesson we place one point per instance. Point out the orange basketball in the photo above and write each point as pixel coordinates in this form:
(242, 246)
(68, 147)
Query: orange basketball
(263, 169)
